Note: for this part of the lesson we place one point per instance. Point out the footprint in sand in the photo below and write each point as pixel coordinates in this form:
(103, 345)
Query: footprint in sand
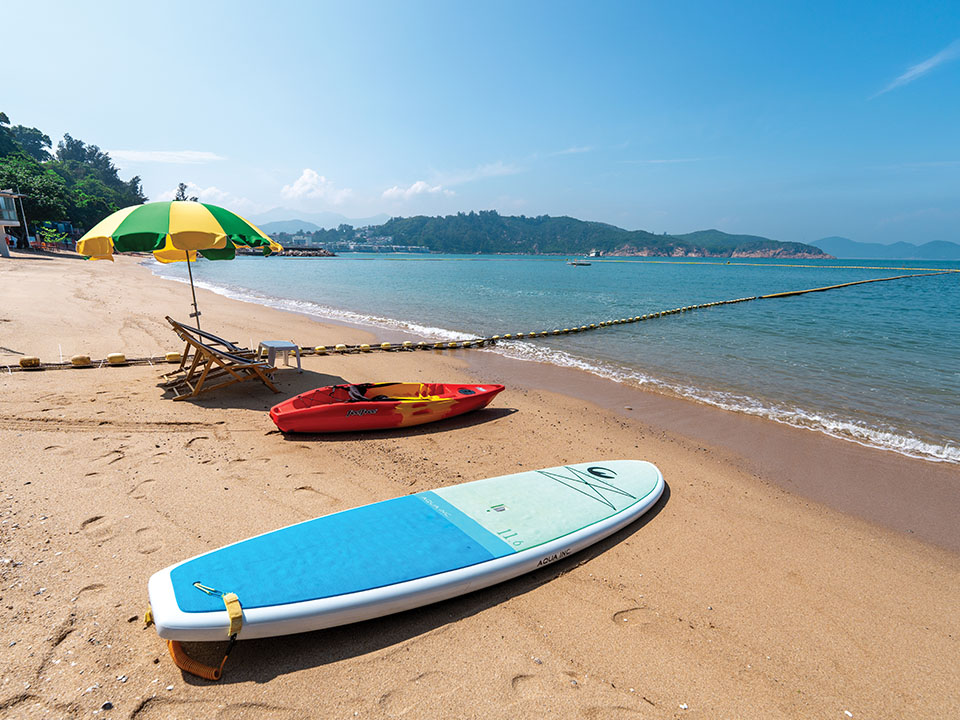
(35, 706)
(98, 528)
(92, 480)
(417, 694)
(148, 540)
(261, 711)
(88, 592)
(142, 489)
(113, 456)
(634, 616)
(613, 712)
(161, 708)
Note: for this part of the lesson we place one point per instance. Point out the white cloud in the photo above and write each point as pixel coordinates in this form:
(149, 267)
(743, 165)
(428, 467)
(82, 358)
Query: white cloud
(173, 157)
(418, 188)
(494, 169)
(669, 161)
(214, 196)
(917, 71)
(312, 185)
(572, 151)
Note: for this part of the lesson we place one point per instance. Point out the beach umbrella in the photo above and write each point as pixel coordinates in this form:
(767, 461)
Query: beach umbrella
(174, 231)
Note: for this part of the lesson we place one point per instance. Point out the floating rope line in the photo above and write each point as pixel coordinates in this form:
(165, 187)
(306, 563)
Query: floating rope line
(477, 342)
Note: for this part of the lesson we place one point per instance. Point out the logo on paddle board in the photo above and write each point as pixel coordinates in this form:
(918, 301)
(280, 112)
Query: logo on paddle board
(601, 472)
(594, 483)
(553, 558)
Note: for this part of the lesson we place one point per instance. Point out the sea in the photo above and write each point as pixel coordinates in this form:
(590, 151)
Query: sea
(876, 364)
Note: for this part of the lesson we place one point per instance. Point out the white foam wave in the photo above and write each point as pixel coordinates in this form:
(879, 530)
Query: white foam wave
(795, 417)
(840, 428)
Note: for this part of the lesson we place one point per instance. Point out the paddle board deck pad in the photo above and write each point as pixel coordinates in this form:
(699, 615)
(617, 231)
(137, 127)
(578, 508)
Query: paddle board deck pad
(376, 406)
(401, 553)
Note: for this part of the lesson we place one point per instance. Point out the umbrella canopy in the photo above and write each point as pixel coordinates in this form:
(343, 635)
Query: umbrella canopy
(174, 232)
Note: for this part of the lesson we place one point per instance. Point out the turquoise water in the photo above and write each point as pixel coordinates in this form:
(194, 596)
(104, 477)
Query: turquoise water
(877, 364)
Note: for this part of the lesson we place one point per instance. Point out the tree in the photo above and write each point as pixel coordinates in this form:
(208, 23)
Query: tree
(34, 142)
(47, 195)
(8, 143)
(181, 195)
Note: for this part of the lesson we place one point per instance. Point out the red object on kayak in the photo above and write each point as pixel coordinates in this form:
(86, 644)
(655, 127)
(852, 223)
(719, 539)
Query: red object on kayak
(374, 406)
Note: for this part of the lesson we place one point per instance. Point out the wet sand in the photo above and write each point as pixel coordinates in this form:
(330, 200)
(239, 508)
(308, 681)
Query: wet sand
(776, 578)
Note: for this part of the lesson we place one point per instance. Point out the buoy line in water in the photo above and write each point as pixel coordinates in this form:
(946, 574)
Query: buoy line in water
(32, 363)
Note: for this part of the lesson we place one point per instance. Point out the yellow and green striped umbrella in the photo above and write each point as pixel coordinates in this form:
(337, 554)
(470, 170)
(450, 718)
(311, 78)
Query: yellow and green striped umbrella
(174, 232)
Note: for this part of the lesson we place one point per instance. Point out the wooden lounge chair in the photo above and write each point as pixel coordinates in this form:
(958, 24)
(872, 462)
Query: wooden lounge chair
(208, 338)
(214, 368)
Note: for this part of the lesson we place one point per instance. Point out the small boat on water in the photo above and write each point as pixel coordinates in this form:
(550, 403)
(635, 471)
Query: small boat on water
(375, 406)
(578, 262)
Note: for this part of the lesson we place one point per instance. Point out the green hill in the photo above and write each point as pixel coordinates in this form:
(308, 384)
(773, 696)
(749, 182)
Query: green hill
(489, 232)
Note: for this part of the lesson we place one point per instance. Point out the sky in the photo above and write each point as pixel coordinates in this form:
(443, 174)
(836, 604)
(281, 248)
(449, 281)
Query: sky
(790, 120)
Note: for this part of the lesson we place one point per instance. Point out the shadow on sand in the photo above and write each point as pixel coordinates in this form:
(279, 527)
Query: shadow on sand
(457, 422)
(254, 395)
(263, 660)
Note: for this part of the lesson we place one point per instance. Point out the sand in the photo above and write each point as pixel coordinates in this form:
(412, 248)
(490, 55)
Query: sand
(750, 590)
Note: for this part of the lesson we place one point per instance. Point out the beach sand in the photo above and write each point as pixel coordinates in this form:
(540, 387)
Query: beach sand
(777, 578)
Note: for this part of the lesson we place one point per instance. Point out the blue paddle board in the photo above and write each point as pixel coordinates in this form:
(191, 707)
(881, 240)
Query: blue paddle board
(401, 553)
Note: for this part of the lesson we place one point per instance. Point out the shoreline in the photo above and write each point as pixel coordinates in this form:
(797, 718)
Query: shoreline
(935, 447)
(733, 597)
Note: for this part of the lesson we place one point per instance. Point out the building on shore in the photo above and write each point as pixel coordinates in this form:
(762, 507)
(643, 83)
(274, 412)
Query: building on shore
(10, 218)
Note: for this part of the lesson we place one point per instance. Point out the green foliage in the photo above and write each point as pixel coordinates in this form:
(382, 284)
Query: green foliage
(34, 142)
(47, 194)
(490, 232)
(52, 235)
(80, 183)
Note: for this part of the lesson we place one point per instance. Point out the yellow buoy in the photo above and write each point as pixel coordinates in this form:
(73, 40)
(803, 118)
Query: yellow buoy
(320, 349)
(407, 344)
(385, 346)
(170, 357)
(364, 348)
(341, 348)
(453, 344)
(28, 362)
(82, 360)
(117, 359)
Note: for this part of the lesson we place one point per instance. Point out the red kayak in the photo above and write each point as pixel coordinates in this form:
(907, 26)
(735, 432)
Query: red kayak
(374, 406)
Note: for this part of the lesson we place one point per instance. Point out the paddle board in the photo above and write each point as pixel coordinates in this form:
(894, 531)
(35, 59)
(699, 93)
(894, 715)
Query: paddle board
(401, 553)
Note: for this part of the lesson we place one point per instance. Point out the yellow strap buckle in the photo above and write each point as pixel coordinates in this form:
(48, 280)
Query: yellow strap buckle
(234, 611)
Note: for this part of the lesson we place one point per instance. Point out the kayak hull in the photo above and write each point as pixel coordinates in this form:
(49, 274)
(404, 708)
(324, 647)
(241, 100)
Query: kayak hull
(336, 408)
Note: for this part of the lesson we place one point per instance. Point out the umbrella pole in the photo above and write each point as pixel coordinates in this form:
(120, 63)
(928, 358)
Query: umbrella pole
(196, 311)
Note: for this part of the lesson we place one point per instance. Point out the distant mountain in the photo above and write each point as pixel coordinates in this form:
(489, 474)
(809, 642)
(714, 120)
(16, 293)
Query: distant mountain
(490, 232)
(319, 220)
(289, 226)
(845, 248)
(719, 243)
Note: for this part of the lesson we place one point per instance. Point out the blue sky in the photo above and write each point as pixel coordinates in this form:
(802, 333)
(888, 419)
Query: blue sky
(790, 120)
